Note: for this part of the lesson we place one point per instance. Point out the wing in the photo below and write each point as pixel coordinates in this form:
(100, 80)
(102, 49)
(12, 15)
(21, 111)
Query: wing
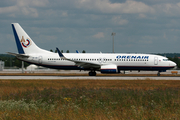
(82, 64)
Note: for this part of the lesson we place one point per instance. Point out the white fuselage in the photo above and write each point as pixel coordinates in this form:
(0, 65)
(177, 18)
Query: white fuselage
(122, 61)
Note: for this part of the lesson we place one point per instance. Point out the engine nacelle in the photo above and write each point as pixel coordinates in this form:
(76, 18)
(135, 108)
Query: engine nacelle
(109, 69)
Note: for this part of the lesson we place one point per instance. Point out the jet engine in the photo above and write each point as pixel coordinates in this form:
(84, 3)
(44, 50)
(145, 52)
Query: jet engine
(109, 69)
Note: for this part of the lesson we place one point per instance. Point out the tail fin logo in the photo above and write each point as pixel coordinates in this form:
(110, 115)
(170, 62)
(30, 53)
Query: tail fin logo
(25, 43)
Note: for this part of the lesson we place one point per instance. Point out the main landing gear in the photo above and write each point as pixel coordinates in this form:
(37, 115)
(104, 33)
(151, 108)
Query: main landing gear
(158, 74)
(92, 73)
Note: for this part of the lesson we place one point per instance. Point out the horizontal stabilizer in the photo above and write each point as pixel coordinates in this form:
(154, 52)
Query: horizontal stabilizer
(18, 55)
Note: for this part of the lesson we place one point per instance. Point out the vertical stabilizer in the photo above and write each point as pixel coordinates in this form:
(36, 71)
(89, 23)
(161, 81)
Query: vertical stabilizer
(24, 43)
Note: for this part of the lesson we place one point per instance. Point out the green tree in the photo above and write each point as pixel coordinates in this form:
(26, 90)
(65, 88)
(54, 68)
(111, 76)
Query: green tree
(83, 51)
(67, 51)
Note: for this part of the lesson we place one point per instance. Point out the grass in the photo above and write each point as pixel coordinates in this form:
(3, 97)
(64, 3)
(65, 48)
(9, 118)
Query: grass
(89, 99)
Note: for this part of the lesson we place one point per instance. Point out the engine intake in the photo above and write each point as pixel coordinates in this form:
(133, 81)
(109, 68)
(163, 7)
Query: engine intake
(109, 69)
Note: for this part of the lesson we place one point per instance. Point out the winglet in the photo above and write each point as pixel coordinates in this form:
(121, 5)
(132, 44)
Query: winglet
(60, 54)
(77, 51)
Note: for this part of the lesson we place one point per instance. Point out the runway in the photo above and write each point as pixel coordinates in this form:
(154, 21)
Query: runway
(85, 78)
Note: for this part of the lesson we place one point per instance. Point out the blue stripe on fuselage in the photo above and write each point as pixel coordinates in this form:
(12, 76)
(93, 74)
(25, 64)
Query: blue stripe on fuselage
(145, 68)
(63, 67)
(74, 67)
(20, 49)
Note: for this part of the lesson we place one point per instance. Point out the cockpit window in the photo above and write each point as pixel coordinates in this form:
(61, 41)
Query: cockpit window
(165, 60)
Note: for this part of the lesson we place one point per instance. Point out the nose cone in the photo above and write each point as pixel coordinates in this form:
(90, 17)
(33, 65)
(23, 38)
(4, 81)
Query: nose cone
(173, 64)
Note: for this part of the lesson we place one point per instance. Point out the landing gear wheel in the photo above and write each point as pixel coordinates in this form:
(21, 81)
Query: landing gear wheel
(158, 74)
(92, 73)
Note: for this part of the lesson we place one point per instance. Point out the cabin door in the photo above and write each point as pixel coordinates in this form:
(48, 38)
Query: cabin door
(155, 60)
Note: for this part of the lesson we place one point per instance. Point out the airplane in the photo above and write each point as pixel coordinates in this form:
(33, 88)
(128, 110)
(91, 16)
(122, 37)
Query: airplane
(110, 63)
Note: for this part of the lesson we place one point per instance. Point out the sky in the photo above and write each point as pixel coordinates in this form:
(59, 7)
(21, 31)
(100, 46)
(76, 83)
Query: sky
(141, 26)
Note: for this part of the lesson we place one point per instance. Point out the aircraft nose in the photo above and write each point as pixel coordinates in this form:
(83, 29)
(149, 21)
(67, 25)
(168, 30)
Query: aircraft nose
(173, 64)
